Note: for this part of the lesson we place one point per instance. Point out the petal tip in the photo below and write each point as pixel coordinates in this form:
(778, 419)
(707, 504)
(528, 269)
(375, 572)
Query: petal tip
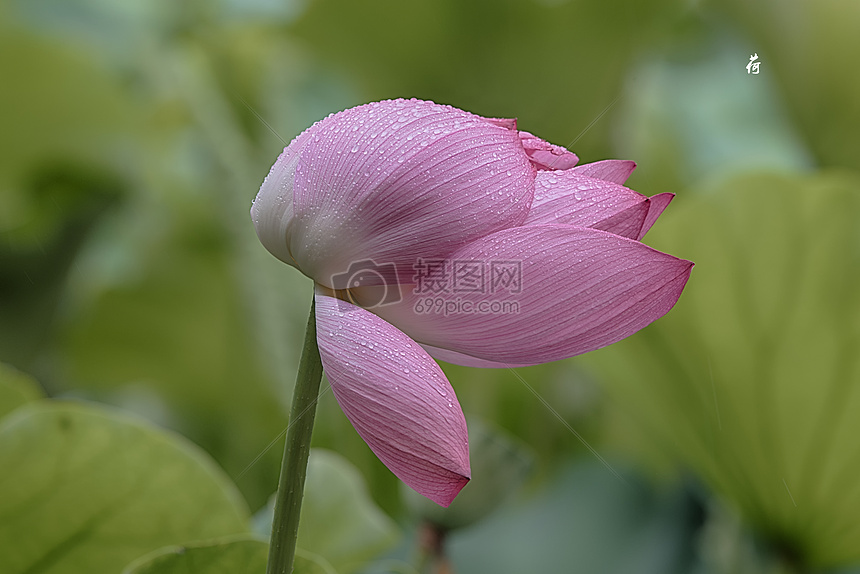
(446, 497)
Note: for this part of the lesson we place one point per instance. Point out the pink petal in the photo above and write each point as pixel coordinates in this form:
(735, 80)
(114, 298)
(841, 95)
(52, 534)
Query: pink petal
(395, 180)
(396, 397)
(658, 203)
(546, 156)
(573, 199)
(272, 210)
(581, 289)
(611, 170)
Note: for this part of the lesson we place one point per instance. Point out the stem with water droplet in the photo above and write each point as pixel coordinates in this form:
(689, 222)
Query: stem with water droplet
(288, 502)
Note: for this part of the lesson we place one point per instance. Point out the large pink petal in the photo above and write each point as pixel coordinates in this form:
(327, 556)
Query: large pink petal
(580, 289)
(612, 170)
(570, 198)
(547, 156)
(396, 397)
(395, 180)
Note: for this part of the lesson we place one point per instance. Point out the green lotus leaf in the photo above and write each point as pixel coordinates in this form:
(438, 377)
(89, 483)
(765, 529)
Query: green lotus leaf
(233, 555)
(16, 389)
(753, 380)
(86, 489)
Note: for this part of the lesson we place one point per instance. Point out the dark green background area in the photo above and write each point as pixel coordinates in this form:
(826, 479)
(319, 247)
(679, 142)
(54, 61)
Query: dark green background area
(134, 135)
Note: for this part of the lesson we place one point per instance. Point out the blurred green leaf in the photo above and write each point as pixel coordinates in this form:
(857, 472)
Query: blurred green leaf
(585, 520)
(752, 380)
(16, 389)
(174, 322)
(86, 123)
(67, 200)
(232, 555)
(308, 563)
(235, 555)
(339, 521)
(65, 121)
(101, 490)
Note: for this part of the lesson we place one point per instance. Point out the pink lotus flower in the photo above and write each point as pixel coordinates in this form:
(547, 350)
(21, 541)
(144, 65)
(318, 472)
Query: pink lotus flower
(381, 203)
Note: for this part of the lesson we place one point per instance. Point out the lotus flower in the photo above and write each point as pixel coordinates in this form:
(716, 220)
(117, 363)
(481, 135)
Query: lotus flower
(384, 204)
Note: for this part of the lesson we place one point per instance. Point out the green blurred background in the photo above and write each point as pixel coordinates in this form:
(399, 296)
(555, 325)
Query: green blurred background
(134, 135)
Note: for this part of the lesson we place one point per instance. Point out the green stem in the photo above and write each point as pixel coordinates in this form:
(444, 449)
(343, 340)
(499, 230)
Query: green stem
(288, 503)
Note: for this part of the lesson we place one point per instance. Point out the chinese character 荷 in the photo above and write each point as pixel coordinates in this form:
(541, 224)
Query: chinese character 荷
(752, 67)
